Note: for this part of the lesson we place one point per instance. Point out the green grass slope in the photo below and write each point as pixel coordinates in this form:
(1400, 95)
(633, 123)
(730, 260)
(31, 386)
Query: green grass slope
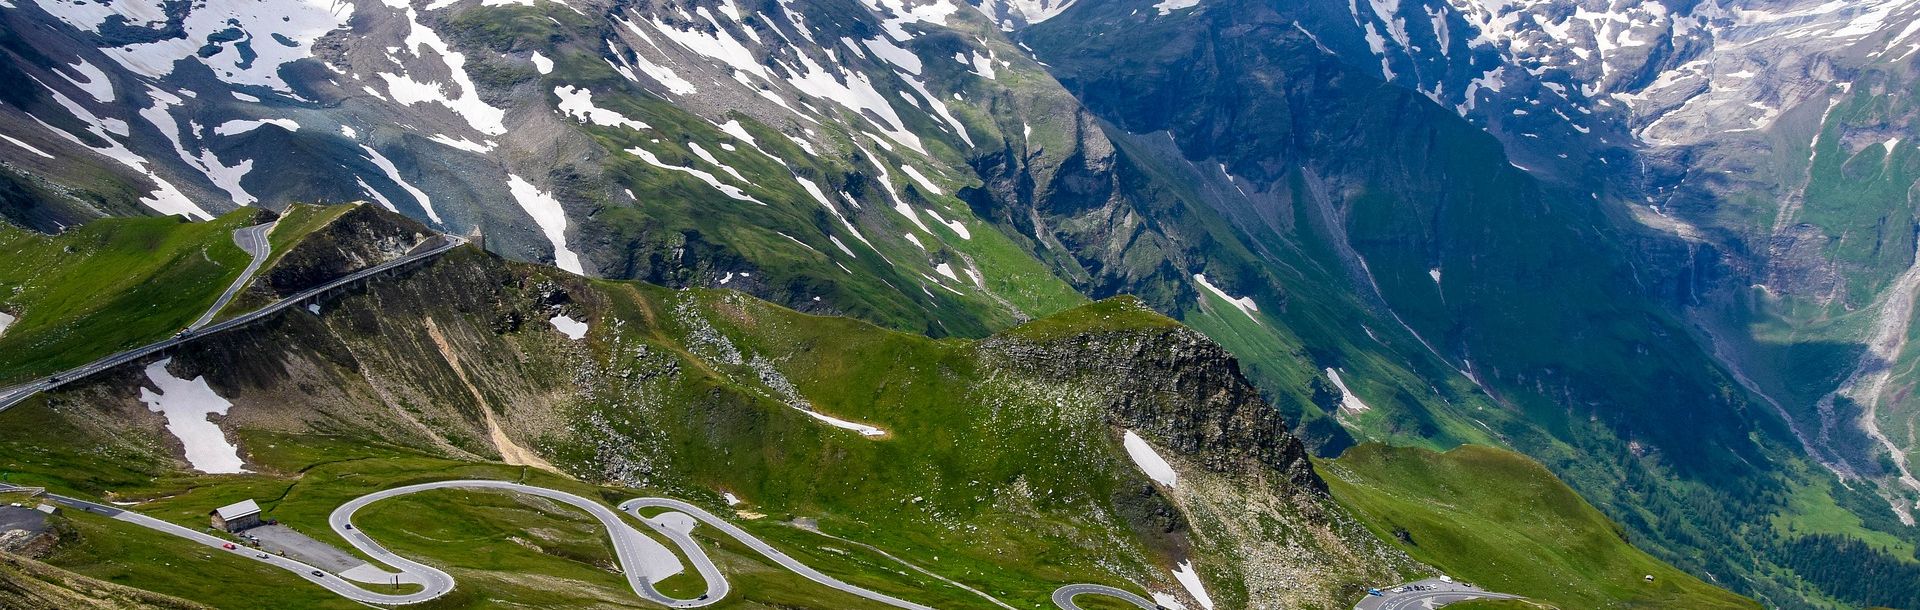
(1499, 519)
(26, 584)
(108, 285)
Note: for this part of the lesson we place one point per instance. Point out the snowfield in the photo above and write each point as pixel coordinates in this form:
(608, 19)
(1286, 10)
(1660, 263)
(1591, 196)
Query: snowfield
(1244, 304)
(863, 429)
(547, 213)
(573, 329)
(1149, 461)
(186, 405)
(1191, 580)
(1348, 402)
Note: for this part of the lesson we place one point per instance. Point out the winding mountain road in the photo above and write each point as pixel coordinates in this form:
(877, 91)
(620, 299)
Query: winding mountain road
(433, 246)
(644, 560)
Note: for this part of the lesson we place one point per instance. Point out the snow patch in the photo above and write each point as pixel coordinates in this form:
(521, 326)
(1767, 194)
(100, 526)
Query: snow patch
(577, 102)
(1244, 304)
(863, 429)
(704, 176)
(956, 226)
(237, 127)
(573, 329)
(393, 173)
(1191, 580)
(547, 213)
(1149, 461)
(6, 320)
(946, 270)
(186, 405)
(541, 63)
(922, 179)
(96, 84)
(478, 148)
(1348, 401)
(1167, 7)
(28, 147)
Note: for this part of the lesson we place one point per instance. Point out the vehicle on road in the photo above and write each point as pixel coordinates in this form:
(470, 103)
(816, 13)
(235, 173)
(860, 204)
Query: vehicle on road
(319, 574)
(228, 546)
(259, 555)
(1372, 591)
(349, 526)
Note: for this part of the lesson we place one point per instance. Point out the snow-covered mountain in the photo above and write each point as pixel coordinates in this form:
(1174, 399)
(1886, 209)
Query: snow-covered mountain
(617, 139)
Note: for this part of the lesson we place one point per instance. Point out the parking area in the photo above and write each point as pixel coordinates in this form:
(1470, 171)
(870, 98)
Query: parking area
(23, 517)
(282, 539)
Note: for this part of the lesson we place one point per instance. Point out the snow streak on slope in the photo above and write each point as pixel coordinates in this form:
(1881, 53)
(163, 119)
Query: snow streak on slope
(1244, 304)
(1191, 581)
(1149, 461)
(551, 218)
(703, 175)
(165, 199)
(1348, 401)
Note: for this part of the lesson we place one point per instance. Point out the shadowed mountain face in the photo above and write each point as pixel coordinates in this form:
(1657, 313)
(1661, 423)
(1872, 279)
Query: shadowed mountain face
(1664, 247)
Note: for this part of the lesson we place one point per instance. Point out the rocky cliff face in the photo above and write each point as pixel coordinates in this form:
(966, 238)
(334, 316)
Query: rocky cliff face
(358, 239)
(1176, 386)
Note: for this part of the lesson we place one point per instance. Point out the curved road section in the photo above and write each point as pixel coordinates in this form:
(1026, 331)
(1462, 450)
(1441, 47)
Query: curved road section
(1063, 596)
(1425, 594)
(254, 241)
(676, 523)
(434, 246)
(644, 560)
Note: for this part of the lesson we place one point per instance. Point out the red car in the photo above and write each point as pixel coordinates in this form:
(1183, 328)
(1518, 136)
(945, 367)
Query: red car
(228, 546)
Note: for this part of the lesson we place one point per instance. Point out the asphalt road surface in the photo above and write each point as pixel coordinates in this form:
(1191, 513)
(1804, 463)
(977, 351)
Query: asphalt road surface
(254, 241)
(1063, 596)
(1425, 594)
(663, 522)
(434, 246)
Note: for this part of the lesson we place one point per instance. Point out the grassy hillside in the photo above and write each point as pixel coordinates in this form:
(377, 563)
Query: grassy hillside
(107, 286)
(26, 584)
(1000, 465)
(1501, 520)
